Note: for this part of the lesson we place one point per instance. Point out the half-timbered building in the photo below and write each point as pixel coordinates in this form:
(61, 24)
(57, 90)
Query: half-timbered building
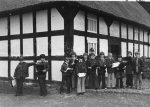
(34, 27)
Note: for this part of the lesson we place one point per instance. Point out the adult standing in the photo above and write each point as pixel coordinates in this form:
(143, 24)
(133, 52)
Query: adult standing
(129, 70)
(138, 68)
(21, 72)
(42, 68)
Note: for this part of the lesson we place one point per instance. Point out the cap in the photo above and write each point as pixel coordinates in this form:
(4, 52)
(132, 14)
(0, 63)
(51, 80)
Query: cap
(42, 56)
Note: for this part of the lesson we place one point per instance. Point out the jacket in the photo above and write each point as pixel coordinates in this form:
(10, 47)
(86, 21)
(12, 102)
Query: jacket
(40, 67)
(81, 67)
(109, 63)
(129, 65)
(140, 66)
(64, 70)
(22, 70)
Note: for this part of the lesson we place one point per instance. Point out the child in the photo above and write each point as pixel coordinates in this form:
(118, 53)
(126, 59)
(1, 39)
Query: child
(81, 73)
(120, 73)
(66, 75)
(92, 64)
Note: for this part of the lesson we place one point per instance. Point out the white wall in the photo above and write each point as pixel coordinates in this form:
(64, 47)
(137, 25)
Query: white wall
(57, 45)
(123, 49)
(103, 46)
(13, 67)
(141, 35)
(42, 45)
(3, 27)
(56, 17)
(141, 50)
(79, 44)
(15, 47)
(30, 70)
(136, 34)
(130, 32)
(149, 52)
(79, 21)
(114, 29)
(146, 50)
(56, 73)
(92, 40)
(14, 25)
(130, 47)
(3, 68)
(102, 26)
(124, 31)
(28, 23)
(28, 47)
(145, 36)
(136, 47)
(4, 48)
(41, 21)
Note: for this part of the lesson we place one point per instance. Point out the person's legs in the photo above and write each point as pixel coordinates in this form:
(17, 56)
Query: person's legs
(136, 81)
(41, 85)
(68, 81)
(79, 85)
(117, 82)
(127, 80)
(62, 83)
(103, 81)
(109, 80)
(21, 85)
(99, 78)
(113, 80)
(18, 87)
(121, 82)
(83, 84)
(139, 81)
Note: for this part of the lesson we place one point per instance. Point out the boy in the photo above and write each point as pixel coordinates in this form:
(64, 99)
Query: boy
(66, 76)
(120, 73)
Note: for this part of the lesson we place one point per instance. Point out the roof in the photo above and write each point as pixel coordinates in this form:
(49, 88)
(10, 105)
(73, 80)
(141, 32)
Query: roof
(145, 5)
(132, 11)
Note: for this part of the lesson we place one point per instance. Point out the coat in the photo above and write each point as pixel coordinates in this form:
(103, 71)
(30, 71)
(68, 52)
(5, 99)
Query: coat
(120, 70)
(22, 70)
(140, 66)
(40, 67)
(129, 65)
(102, 65)
(81, 67)
(64, 69)
(109, 63)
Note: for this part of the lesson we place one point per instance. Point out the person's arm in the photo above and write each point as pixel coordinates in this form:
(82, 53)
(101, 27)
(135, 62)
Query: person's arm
(31, 64)
(46, 67)
(16, 70)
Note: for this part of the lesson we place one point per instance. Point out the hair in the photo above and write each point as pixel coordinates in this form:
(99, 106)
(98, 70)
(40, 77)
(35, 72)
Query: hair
(129, 52)
(102, 53)
(42, 56)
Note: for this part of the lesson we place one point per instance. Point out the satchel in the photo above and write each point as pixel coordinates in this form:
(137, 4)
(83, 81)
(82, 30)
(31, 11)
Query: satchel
(13, 82)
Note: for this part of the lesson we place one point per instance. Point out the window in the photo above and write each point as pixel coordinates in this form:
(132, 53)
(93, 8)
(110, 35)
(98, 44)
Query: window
(15, 47)
(14, 25)
(146, 50)
(141, 50)
(145, 36)
(136, 36)
(28, 47)
(92, 23)
(4, 69)
(3, 27)
(124, 31)
(130, 47)
(130, 32)
(141, 35)
(3, 48)
(92, 43)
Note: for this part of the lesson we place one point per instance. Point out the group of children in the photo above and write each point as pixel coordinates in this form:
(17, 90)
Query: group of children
(94, 72)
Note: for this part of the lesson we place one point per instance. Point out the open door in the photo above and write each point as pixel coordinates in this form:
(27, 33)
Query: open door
(115, 47)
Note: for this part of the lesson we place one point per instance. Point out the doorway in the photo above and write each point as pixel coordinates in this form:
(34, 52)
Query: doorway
(115, 47)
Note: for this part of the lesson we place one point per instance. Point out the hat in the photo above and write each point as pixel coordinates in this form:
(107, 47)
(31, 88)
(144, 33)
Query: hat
(42, 56)
(91, 50)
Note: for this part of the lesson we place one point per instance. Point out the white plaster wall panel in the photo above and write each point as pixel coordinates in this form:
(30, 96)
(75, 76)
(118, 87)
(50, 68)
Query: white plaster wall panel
(3, 48)
(102, 26)
(3, 68)
(57, 21)
(3, 27)
(141, 35)
(123, 49)
(141, 50)
(104, 46)
(30, 70)
(130, 47)
(28, 23)
(136, 34)
(145, 36)
(13, 67)
(41, 21)
(136, 48)
(57, 45)
(146, 50)
(114, 29)
(130, 32)
(124, 31)
(42, 45)
(56, 73)
(79, 44)
(28, 47)
(79, 21)
(14, 25)
(92, 40)
(149, 38)
(15, 47)
(149, 52)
